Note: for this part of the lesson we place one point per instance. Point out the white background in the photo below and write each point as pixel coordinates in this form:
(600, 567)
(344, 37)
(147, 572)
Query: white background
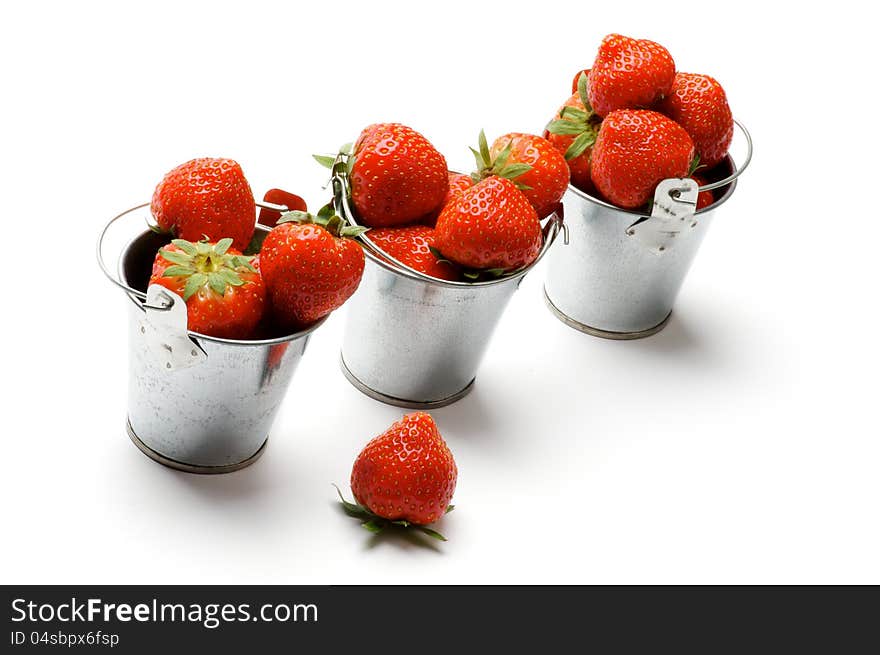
(739, 445)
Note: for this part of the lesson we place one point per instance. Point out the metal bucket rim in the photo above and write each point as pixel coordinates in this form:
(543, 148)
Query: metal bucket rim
(451, 284)
(728, 182)
(134, 294)
(340, 187)
(730, 186)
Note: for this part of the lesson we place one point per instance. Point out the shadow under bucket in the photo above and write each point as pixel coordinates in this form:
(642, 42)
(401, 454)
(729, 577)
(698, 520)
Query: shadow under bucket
(195, 403)
(416, 341)
(621, 271)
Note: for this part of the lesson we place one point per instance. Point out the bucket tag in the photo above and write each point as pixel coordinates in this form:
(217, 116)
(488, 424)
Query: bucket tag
(163, 327)
(675, 202)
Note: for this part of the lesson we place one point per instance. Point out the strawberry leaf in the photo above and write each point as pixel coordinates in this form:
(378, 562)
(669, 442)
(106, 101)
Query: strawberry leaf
(580, 145)
(230, 277)
(503, 156)
(695, 164)
(217, 284)
(484, 149)
(562, 127)
(431, 533)
(373, 526)
(513, 170)
(583, 82)
(175, 257)
(324, 160)
(193, 283)
(178, 271)
(222, 246)
(185, 246)
(574, 114)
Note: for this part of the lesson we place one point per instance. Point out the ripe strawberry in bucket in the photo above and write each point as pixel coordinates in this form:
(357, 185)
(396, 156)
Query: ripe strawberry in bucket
(206, 198)
(405, 477)
(413, 245)
(491, 226)
(635, 150)
(224, 294)
(535, 166)
(397, 176)
(698, 103)
(629, 74)
(311, 266)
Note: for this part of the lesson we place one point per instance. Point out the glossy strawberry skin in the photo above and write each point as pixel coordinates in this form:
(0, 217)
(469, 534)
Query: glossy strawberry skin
(206, 198)
(698, 103)
(549, 175)
(491, 225)
(578, 167)
(704, 198)
(233, 315)
(406, 473)
(629, 74)
(412, 246)
(308, 272)
(398, 177)
(458, 182)
(635, 150)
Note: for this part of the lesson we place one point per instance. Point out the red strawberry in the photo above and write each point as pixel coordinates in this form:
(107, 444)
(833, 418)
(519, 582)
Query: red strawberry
(545, 173)
(573, 132)
(629, 74)
(310, 267)
(206, 198)
(577, 76)
(224, 294)
(406, 476)
(699, 105)
(412, 246)
(458, 182)
(704, 198)
(269, 217)
(397, 176)
(490, 226)
(636, 149)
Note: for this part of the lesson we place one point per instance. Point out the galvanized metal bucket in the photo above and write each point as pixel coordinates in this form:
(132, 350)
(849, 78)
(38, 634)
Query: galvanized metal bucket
(621, 271)
(412, 340)
(195, 403)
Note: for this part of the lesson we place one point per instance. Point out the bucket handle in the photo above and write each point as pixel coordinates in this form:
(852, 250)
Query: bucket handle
(742, 167)
(140, 295)
(341, 194)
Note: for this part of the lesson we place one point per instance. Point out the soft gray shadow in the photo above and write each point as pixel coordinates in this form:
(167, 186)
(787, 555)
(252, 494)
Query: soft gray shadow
(246, 485)
(472, 415)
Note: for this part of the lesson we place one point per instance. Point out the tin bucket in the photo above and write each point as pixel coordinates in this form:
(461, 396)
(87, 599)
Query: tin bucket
(195, 403)
(412, 340)
(621, 271)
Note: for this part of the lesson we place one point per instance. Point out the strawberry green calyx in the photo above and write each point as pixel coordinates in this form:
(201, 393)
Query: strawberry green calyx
(583, 124)
(326, 218)
(376, 524)
(487, 167)
(203, 263)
